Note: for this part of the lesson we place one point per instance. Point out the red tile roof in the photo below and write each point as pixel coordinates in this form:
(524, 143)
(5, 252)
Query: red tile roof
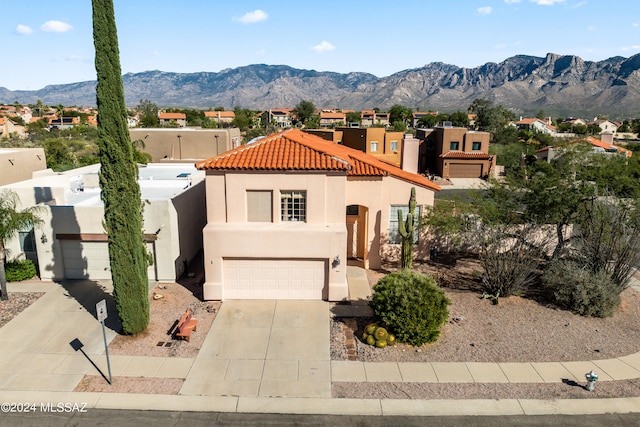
(294, 150)
(465, 155)
(607, 146)
(172, 116)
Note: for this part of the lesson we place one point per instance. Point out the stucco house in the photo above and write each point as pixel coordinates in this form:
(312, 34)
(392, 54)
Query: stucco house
(284, 214)
(71, 242)
(18, 164)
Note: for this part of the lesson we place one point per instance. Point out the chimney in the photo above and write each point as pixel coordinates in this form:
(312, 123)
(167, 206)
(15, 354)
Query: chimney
(606, 137)
(410, 153)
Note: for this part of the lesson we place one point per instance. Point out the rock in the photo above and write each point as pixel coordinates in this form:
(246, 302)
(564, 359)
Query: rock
(157, 296)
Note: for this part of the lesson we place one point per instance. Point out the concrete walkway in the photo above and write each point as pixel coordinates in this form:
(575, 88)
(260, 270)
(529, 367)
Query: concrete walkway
(259, 356)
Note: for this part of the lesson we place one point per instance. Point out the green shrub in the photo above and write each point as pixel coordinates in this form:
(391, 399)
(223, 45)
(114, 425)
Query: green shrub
(17, 271)
(580, 290)
(411, 305)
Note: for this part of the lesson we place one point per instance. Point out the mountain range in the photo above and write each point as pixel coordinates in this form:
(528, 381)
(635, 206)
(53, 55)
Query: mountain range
(557, 84)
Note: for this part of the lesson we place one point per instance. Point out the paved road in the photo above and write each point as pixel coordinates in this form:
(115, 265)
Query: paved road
(102, 417)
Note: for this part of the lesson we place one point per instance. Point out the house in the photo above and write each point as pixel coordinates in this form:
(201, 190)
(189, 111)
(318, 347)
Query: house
(419, 115)
(377, 142)
(455, 152)
(606, 125)
(280, 117)
(536, 125)
(64, 122)
(329, 119)
(172, 119)
(190, 144)
(549, 153)
(18, 164)
(9, 128)
(286, 212)
(221, 117)
(372, 118)
(71, 242)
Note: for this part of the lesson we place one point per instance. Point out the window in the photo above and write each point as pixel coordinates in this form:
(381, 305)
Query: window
(293, 206)
(374, 146)
(27, 241)
(453, 145)
(394, 235)
(394, 145)
(259, 206)
(476, 146)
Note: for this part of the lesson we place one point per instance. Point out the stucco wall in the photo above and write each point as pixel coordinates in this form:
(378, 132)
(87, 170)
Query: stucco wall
(18, 164)
(378, 194)
(229, 234)
(185, 143)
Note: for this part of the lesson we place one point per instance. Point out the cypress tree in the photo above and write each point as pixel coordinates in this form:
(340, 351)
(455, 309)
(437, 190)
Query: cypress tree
(119, 178)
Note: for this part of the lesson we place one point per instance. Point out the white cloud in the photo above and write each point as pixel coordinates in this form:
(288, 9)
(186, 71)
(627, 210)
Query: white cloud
(634, 47)
(252, 17)
(547, 2)
(635, 24)
(23, 29)
(323, 47)
(55, 27)
(486, 10)
(512, 1)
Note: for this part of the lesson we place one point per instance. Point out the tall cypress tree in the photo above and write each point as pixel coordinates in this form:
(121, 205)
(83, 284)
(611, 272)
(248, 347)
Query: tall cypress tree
(119, 178)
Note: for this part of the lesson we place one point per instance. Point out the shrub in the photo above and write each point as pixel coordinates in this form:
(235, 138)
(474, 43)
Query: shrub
(580, 290)
(17, 271)
(411, 305)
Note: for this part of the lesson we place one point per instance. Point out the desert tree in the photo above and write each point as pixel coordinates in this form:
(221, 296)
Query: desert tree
(120, 191)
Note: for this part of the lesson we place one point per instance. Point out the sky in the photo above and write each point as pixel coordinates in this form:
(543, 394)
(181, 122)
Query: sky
(51, 42)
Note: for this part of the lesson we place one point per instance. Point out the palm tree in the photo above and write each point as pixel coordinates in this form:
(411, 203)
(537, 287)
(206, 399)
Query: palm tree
(11, 222)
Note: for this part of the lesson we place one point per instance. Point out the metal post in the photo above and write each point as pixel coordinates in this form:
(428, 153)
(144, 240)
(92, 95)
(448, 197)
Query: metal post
(106, 349)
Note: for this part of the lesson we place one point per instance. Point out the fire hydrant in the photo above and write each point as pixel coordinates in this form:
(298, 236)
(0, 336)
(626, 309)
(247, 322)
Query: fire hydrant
(591, 377)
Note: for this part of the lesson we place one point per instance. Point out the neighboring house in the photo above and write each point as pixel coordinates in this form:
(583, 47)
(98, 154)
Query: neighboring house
(550, 153)
(221, 117)
(281, 117)
(169, 119)
(8, 127)
(329, 119)
(418, 115)
(537, 125)
(286, 212)
(18, 164)
(71, 242)
(574, 122)
(607, 126)
(63, 123)
(377, 142)
(178, 145)
(371, 118)
(455, 152)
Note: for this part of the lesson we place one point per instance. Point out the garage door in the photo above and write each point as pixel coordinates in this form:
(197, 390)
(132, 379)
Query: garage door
(457, 170)
(90, 260)
(274, 278)
(85, 260)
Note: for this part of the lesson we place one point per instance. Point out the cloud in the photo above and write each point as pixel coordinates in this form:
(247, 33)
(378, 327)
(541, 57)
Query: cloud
(634, 47)
(635, 24)
(252, 17)
(512, 1)
(486, 10)
(23, 29)
(55, 27)
(547, 2)
(323, 47)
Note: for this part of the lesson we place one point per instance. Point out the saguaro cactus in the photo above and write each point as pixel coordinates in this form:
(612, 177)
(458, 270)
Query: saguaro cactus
(406, 228)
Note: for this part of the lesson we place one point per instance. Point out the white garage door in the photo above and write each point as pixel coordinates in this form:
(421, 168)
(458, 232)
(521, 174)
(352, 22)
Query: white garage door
(90, 260)
(274, 279)
(85, 260)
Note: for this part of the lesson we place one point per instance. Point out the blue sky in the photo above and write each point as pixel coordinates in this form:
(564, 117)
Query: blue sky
(51, 42)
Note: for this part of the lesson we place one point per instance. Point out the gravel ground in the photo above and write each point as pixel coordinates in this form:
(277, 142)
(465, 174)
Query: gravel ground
(518, 329)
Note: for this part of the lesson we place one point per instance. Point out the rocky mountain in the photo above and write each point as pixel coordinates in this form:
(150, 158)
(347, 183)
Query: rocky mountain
(560, 85)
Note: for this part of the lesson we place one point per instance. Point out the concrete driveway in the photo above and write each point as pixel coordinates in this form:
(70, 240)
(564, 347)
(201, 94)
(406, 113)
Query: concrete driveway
(265, 348)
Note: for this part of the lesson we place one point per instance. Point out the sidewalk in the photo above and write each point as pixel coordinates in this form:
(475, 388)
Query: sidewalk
(261, 373)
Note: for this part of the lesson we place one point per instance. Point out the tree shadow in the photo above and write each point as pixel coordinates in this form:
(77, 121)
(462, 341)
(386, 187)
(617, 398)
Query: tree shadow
(88, 293)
